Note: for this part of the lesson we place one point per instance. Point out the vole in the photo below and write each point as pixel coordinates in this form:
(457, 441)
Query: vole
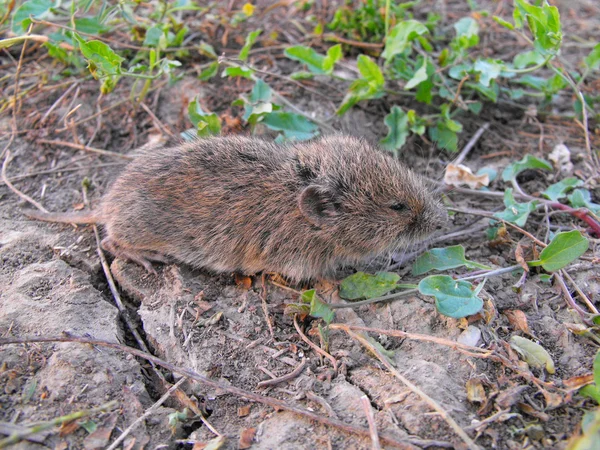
(242, 204)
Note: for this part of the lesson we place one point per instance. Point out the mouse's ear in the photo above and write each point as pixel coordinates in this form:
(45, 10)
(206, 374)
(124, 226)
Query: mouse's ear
(318, 204)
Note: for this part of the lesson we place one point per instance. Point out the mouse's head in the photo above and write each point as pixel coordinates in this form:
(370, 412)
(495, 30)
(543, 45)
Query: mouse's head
(369, 201)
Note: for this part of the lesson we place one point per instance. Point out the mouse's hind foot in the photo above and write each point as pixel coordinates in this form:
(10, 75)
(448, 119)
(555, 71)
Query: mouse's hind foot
(141, 257)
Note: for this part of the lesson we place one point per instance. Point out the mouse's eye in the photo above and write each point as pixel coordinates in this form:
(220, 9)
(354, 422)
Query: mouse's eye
(400, 207)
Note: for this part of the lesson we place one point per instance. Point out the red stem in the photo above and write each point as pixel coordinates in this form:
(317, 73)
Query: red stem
(580, 214)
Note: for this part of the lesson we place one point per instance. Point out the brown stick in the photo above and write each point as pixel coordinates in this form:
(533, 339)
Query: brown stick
(25, 197)
(83, 147)
(427, 399)
(314, 346)
(366, 405)
(287, 377)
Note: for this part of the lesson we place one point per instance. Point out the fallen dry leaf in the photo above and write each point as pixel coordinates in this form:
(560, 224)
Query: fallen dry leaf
(475, 391)
(520, 257)
(530, 410)
(68, 428)
(457, 175)
(246, 438)
(99, 439)
(517, 319)
(510, 397)
(243, 411)
(579, 382)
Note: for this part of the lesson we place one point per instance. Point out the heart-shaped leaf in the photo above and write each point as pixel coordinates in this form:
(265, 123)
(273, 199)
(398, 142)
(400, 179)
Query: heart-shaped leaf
(452, 298)
(565, 248)
(364, 286)
(443, 259)
(560, 189)
(528, 162)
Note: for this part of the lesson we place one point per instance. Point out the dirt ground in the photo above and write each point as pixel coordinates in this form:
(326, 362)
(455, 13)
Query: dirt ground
(52, 284)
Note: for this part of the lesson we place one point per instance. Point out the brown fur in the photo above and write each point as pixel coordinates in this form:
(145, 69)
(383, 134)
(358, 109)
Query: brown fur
(243, 204)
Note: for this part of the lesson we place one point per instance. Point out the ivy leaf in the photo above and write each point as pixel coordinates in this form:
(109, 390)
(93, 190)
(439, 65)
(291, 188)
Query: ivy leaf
(560, 189)
(489, 69)
(516, 213)
(544, 24)
(593, 59)
(250, 40)
(581, 198)
(206, 124)
(260, 102)
(334, 54)
(419, 76)
(443, 136)
(37, 9)
(565, 248)
(596, 369)
(100, 56)
(467, 32)
(364, 286)
(370, 71)
(528, 162)
(534, 354)
(400, 37)
(313, 60)
(397, 123)
(443, 259)
(453, 298)
(237, 71)
(292, 125)
(210, 71)
(318, 308)
(530, 58)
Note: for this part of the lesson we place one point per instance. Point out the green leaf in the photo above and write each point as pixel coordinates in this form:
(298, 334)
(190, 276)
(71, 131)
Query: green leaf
(467, 32)
(593, 59)
(37, 9)
(88, 425)
(101, 56)
(581, 198)
(397, 123)
(250, 40)
(206, 124)
(302, 75)
(364, 286)
(534, 354)
(516, 213)
(565, 248)
(294, 126)
(154, 35)
(544, 24)
(90, 25)
(334, 54)
(452, 298)
(210, 71)
(530, 58)
(489, 69)
(596, 369)
(528, 162)
(419, 76)
(313, 60)
(443, 259)
(361, 89)
(443, 136)
(503, 22)
(317, 307)
(400, 37)
(370, 71)
(237, 71)
(590, 426)
(560, 189)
